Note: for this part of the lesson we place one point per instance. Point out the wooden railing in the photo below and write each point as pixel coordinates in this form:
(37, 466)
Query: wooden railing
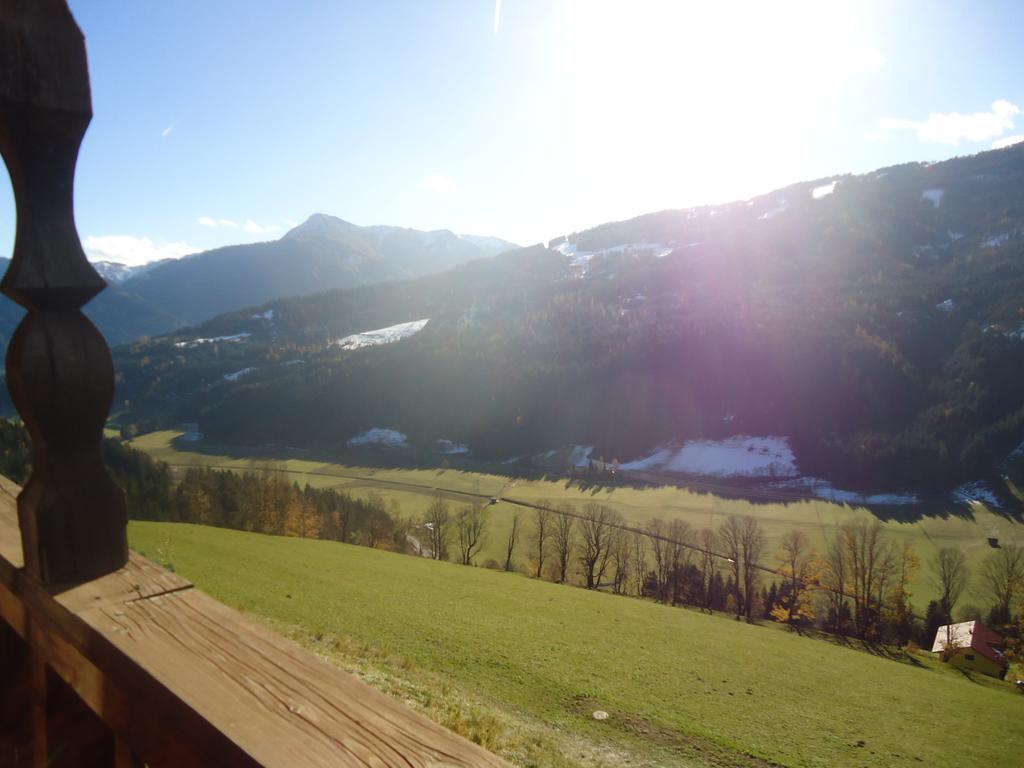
(106, 659)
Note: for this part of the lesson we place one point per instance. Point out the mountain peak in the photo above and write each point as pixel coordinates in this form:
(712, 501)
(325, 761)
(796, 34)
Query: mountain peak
(321, 224)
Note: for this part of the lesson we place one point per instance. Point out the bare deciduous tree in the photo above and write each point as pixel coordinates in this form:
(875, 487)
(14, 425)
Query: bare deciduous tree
(639, 563)
(621, 548)
(729, 536)
(1003, 577)
(563, 541)
(470, 523)
(870, 563)
(657, 532)
(437, 522)
(597, 528)
(542, 523)
(798, 569)
(751, 543)
(949, 575)
(510, 546)
(706, 540)
(834, 580)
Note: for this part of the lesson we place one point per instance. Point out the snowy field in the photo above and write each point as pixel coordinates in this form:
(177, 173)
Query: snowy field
(387, 438)
(578, 258)
(238, 374)
(380, 336)
(738, 456)
(450, 447)
(823, 191)
(823, 489)
(196, 342)
(976, 493)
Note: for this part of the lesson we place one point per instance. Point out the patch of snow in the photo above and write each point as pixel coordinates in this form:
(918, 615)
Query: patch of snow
(823, 191)
(515, 459)
(579, 456)
(946, 306)
(268, 315)
(238, 374)
(380, 336)
(737, 456)
(214, 339)
(388, 438)
(773, 212)
(578, 258)
(935, 195)
(996, 241)
(1018, 334)
(451, 447)
(823, 489)
(191, 437)
(296, 361)
(954, 236)
(976, 493)
(566, 248)
(891, 498)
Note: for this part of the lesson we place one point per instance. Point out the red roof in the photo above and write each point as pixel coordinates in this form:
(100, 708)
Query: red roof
(973, 635)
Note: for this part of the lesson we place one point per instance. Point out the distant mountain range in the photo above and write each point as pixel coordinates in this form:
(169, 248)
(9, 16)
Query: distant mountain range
(872, 324)
(324, 252)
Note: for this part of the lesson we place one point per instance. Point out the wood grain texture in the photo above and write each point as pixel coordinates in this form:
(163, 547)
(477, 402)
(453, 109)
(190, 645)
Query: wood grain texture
(187, 681)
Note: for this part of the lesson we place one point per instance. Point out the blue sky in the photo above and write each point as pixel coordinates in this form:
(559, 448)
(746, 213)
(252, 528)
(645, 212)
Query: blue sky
(223, 122)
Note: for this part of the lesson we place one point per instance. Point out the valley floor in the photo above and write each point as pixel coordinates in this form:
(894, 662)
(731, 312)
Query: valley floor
(928, 527)
(522, 665)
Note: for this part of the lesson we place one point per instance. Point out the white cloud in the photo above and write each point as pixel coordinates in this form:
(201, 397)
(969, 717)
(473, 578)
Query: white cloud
(259, 229)
(953, 127)
(497, 16)
(1007, 141)
(249, 226)
(131, 250)
(167, 131)
(438, 182)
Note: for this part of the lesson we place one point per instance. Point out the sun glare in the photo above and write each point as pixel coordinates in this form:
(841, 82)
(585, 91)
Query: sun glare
(713, 97)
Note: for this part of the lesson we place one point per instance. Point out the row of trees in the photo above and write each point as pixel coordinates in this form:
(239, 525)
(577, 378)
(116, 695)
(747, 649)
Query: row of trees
(860, 585)
(266, 502)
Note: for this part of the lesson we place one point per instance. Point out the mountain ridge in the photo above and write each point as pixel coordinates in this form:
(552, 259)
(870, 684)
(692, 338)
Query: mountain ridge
(323, 252)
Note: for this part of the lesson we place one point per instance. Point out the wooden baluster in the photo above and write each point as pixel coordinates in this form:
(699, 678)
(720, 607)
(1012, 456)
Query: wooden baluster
(66, 733)
(59, 371)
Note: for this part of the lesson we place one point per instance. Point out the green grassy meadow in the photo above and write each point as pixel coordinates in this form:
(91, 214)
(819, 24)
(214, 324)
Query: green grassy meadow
(521, 665)
(413, 489)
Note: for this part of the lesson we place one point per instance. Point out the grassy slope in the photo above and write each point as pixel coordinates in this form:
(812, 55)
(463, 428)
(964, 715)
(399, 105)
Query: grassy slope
(816, 518)
(682, 688)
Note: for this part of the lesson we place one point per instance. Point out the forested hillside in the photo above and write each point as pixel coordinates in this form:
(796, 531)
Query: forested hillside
(875, 321)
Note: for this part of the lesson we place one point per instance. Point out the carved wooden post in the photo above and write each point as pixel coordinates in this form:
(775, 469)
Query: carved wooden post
(59, 371)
